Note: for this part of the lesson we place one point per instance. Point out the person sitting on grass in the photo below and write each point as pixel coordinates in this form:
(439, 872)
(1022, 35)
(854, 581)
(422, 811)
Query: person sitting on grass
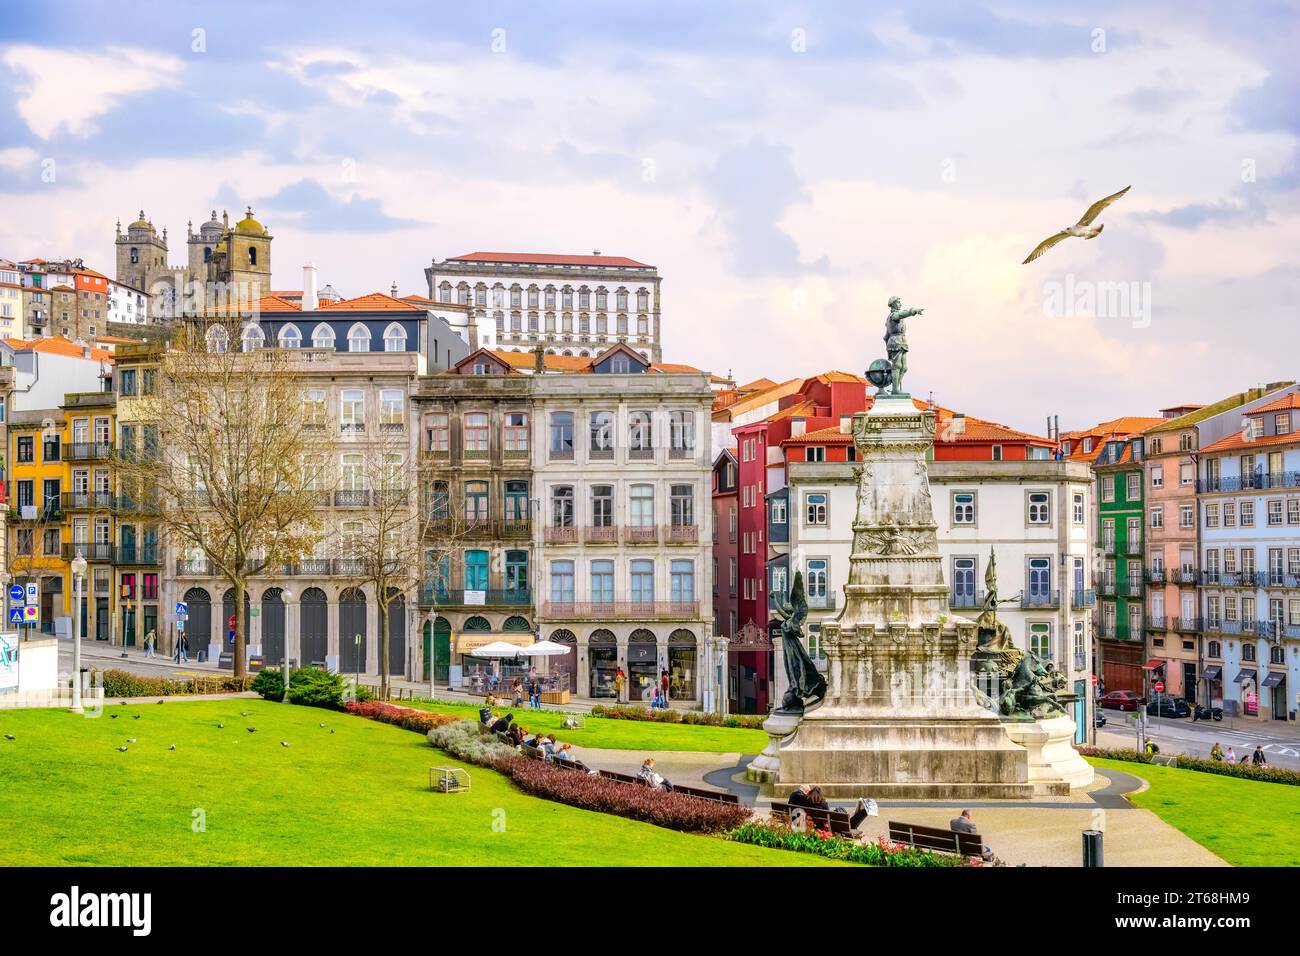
(651, 778)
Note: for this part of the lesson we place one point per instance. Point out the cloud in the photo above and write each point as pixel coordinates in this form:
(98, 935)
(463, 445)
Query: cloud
(1195, 215)
(310, 206)
(69, 89)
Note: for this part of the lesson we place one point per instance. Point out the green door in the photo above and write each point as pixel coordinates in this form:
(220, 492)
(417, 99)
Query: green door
(427, 633)
(441, 649)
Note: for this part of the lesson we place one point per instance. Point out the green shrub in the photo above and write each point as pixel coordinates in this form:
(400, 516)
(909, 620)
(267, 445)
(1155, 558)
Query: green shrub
(312, 687)
(1245, 771)
(669, 716)
(880, 853)
(119, 683)
(270, 684)
(362, 694)
(464, 742)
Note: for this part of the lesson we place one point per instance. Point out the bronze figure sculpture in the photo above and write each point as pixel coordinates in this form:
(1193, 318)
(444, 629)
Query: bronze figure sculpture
(806, 684)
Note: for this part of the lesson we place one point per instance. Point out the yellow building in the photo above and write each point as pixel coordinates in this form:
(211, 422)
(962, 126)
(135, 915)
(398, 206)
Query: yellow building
(35, 532)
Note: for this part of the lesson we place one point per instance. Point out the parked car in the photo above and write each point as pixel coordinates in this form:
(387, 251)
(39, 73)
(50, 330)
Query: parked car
(1121, 700)
(1169, 707)
(1206, 713)
(1099, 718)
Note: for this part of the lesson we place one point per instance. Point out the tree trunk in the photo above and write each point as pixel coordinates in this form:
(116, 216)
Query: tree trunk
(383, 649)
(241, 658)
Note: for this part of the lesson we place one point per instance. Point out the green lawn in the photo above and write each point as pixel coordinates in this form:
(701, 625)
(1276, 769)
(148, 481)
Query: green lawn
(356, 797)
(1246, 822)
(609, 734)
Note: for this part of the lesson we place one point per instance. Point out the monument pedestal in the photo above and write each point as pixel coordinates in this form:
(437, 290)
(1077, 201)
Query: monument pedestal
(1055, 767)
(900, 719)
(765, 769)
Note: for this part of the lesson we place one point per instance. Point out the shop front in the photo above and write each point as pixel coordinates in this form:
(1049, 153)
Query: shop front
(1247, 691)
(602, 659)
(1213, 675)
(485, 675)
(642, 666)
(1274, 684)
(683, 666)
(564, 668)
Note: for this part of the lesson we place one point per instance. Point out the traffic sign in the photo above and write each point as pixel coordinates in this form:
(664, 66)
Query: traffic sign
(16, 615)
(180, 626)
(1094, 680)
(31, 614)
(1160, 687)
(33, 594)
(182, 610)
(15, 592)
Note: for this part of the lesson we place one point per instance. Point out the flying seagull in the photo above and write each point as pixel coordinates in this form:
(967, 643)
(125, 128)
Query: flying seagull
(1083, 229)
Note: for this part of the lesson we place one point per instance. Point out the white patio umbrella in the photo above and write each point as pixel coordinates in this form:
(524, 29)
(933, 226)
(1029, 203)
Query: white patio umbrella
(499, 649)
(546, 649)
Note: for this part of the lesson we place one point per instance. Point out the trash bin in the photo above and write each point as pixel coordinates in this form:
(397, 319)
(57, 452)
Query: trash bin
(203, 657)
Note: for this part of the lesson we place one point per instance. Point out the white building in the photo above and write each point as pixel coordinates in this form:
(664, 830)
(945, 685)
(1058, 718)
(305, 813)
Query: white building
(126, 304)
(1033, 515)
(1249, 495)
(569, 304)
(622, 475)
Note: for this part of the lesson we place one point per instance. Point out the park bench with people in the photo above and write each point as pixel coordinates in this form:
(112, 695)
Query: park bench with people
(837, 824)
(934, 838)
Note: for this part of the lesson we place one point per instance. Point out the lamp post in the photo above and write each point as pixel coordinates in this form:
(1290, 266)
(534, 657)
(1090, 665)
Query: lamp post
(285, 595)
(5, 578)
(78, 576)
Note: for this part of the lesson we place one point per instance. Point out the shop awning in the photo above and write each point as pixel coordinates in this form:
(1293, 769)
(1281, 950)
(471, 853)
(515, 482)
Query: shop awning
(1152, 665)
(1212, 673)
(1273, 678)
(467, 641)
(1246, 673)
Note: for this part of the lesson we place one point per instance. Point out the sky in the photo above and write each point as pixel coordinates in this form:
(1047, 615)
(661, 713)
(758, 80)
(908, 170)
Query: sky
(787, 166)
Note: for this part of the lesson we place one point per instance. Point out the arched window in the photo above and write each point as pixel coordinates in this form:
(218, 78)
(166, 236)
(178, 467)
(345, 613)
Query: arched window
(218, 339)
(207, 253)
(253, 337)
(252, 255)
(135, 255)
(290, 337)
(322, 337)
(394, 338)
(358, 338)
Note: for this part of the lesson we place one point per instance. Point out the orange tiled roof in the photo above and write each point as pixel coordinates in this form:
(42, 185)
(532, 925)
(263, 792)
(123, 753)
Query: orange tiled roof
(756, 385)
(558, 363)
(831, 435)
(58, 345)
(753, 401)
(835, 377)
(981, 430)
(373, 302)
(546, 259)
(1238, 441)
(793, 411)
(62, 287)
(1277, 405)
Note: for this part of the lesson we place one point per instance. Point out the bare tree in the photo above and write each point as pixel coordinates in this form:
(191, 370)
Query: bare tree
(225, 444)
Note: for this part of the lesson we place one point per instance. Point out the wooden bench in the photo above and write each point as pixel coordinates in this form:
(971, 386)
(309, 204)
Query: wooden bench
(717, 796)
(532, 752)
(933, 838)
(572, 765)
(837, 824)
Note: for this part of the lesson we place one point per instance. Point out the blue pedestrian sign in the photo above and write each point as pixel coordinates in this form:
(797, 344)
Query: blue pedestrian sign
(15, 615)
(182, 610)
(16, 592)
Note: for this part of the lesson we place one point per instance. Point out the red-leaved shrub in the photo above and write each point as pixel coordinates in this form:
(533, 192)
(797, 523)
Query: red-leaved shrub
(674, 811)
(421, 721)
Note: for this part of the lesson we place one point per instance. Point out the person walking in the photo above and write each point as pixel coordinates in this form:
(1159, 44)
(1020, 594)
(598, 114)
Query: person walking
(664, 683)
(1216, 753)
(1257, 758)
(1230, 757)
(184, 648)
(150, 643)
(619, 680)
(534, 691)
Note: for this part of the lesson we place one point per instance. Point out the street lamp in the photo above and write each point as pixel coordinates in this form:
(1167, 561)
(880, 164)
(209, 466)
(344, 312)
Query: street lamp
(78, 576)
(285, 596)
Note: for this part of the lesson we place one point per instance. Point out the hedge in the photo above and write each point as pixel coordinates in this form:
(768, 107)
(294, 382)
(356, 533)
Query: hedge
(881, 853)
(673, 811)
(1245, 771)
(119, 683)
(420, 721)
(669, 716)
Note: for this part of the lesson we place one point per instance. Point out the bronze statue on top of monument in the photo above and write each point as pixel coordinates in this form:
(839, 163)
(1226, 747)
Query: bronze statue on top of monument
(888, 373)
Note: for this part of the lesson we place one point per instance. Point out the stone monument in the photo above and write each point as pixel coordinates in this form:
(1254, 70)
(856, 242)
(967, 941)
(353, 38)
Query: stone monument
(900, 717)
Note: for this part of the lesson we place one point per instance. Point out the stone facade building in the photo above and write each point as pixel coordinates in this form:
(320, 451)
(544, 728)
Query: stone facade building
(570, 305)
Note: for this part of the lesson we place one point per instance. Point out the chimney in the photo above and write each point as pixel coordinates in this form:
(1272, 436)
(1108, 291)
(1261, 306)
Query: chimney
(798, 426)
(958, 425)
(393, 291)
(539, 360)
(846, 424)
(310, 300)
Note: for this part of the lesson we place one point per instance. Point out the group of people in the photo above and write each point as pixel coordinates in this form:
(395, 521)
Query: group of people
(1218, 754)
(181, 652)
(522, 736)
(532, 685)
(658, 693)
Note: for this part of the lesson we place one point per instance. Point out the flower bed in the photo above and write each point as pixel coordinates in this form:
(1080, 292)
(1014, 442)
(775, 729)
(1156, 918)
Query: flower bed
(670, 716)
(420, 721)
(119, 683)
(674, 811)
(1245, 771)
(880, 853)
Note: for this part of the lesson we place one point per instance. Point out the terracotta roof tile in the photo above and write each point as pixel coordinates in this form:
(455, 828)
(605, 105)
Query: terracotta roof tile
(1277, 405)
(558, 363)
(1238, 441)
(58, 345)
(372, 302)
(546, 259)
(821, 436)
(758, 399)
(756, 385)
(793, 411)
(840, 377)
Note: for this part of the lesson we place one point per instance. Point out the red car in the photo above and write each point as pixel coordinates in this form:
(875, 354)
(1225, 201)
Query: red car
(1121, 700)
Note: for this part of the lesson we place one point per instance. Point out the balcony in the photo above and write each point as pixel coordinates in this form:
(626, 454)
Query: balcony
(1187, 624)
(680, 454)
(1184, 576)
(1154, 575)
(1080, 662)
(1106, 588)
(598, 453)
(92, 551)
(600, 534)
(351, 498)
(636, 453)
(1134, 589)
(193, 568)
(965, 599)
(433, 596)
(1271, 579)
(1258, 481)
(683, 534)
(88, 451)
(622, 610)
(561, 535)
(1040, 599)
(51, 511)
(1082, 599)
(1108, 548)
(560, 454)
(89, 501)
(821, 602)
(641, 534)
(136, 554)
(516, 528)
